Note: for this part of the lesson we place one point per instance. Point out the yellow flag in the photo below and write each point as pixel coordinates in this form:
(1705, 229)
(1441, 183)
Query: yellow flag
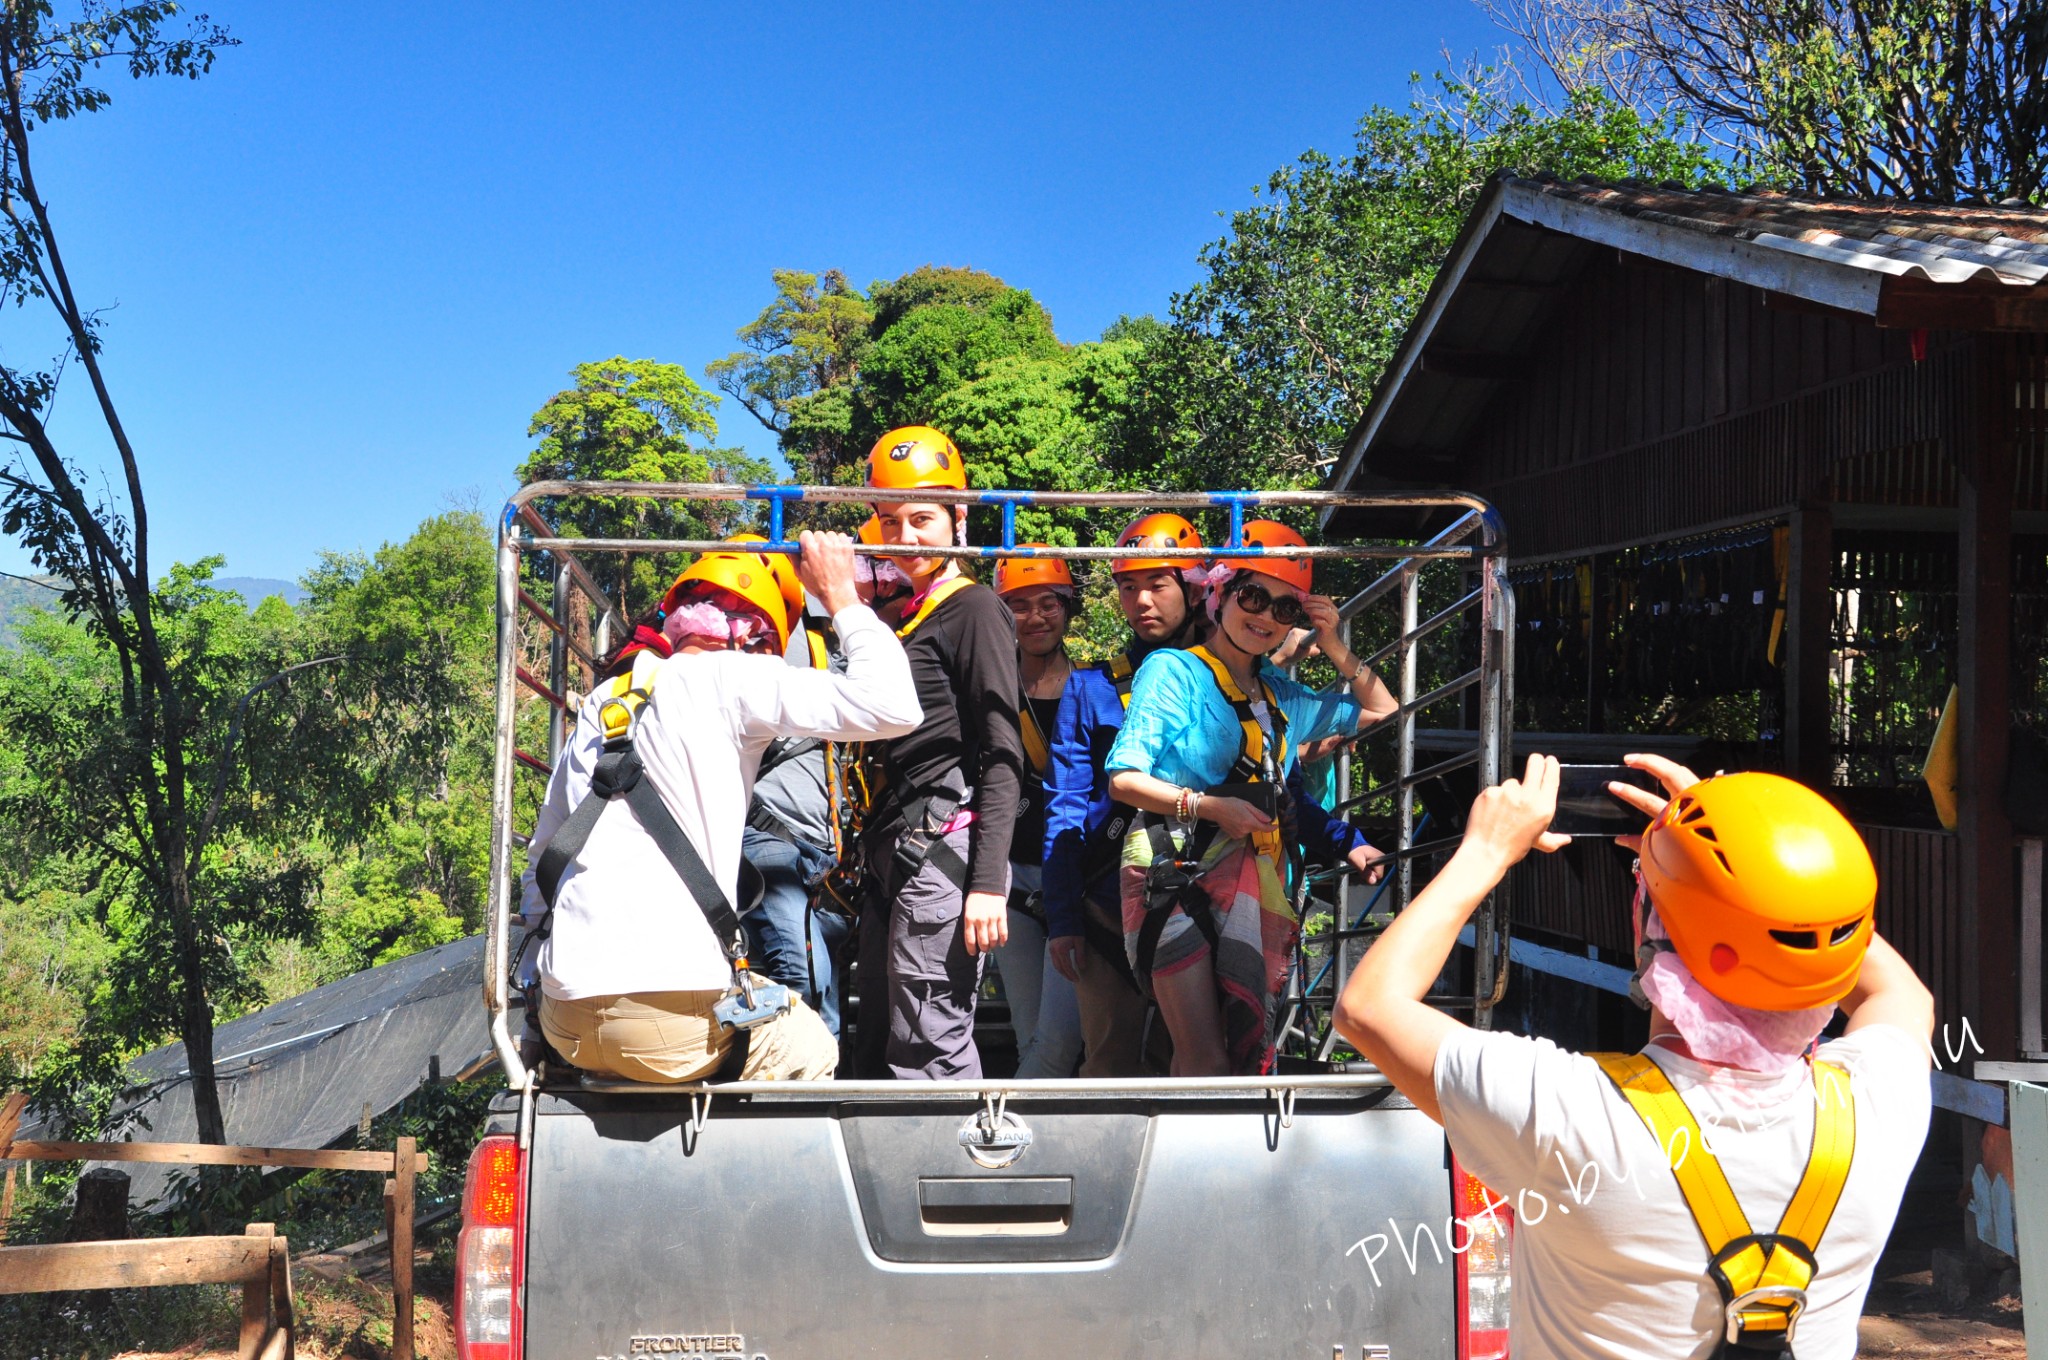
(1943, 766)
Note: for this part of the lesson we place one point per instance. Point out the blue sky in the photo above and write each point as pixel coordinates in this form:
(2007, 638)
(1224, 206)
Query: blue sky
(347, 267)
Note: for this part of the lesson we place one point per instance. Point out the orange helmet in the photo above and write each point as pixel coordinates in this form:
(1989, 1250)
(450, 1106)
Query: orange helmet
(914, 458)
(1269, 534)
(751, 576)
(1157, 531)
(1022, 573)
(1765, 890)
(871, 532)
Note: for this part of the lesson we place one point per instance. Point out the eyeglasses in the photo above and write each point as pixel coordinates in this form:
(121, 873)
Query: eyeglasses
(1049, 605)
(1254, 598)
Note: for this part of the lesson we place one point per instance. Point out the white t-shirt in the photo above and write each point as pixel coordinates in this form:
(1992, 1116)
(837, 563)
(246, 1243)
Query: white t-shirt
(623, 921)
(1607, 1261)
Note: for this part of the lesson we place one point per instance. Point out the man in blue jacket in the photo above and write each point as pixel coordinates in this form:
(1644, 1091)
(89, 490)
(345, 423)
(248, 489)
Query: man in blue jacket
(1084, 829)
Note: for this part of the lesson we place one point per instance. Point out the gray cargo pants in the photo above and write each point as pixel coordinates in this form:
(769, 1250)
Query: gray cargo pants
(913, 947)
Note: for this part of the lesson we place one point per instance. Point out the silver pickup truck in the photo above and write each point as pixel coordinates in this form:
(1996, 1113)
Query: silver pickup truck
(1314, 1212)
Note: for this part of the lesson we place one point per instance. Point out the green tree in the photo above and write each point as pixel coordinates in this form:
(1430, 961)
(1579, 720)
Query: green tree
(802, 354)
(1275, 352)
(312, 734)
(635, 420)
(97, 540)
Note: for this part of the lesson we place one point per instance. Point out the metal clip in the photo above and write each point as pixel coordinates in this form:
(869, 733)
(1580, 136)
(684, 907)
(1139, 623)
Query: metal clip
(1284, 1097)
(527, 1102)
(994, 1105)
(700, 1110)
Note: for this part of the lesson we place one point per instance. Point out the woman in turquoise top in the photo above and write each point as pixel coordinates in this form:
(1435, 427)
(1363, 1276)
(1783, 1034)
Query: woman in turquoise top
(1204, 751)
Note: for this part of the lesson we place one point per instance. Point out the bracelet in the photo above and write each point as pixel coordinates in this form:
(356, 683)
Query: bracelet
(1183, 809)
(1195, 805)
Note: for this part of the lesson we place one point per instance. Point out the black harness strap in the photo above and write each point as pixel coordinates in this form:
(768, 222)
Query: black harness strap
(618, 775)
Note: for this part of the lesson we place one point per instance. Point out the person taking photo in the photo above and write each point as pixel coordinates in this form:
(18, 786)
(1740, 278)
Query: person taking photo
(1762, 1173)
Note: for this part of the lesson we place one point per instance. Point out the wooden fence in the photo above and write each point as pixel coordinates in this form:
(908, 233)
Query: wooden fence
(202, 1260)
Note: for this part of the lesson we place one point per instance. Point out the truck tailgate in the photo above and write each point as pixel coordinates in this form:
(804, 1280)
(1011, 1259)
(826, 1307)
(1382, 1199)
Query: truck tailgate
(1126, 1225)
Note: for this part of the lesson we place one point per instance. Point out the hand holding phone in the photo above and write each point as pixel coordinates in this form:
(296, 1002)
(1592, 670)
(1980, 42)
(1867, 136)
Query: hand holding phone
(1585, 806)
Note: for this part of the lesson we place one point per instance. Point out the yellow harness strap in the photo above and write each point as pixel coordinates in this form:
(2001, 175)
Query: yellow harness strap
(1037, 749)
(940, 593)
(1763, 1277)
(625, 695)
(1120, 672)
(1252, 750)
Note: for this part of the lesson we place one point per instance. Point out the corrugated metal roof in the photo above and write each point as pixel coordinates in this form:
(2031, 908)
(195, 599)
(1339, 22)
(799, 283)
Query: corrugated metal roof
(1946, 267)
(2005, 244)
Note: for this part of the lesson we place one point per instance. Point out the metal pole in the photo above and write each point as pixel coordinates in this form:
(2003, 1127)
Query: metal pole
(558, 660)
(1411, 599)
(498, 924)
(1492, 638)
(1346, 953)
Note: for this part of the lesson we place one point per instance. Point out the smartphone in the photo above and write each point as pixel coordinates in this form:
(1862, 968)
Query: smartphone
(1586, 808)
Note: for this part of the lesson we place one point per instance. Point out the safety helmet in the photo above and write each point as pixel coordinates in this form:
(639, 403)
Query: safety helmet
(1270, 534)
(1022, 573)
(871, 532)
(916, 458)
(1162, 530)
(747, 575)
(1765, 890)
(783, 567)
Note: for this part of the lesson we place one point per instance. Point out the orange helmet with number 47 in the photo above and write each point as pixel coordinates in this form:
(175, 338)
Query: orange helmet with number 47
(1765, 890)
(916, 458)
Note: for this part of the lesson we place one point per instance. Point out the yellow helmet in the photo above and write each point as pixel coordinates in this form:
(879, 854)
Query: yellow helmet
(747, 575)
(916, 458)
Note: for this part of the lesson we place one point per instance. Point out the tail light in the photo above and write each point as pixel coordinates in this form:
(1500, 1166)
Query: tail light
(1484, 1281)
(490, 1254)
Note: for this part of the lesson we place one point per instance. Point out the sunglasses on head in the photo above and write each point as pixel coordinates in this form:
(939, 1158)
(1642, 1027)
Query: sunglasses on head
(1254, 598)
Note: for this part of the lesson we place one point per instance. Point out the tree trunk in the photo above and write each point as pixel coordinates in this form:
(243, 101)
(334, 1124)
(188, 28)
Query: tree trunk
(195, 1018)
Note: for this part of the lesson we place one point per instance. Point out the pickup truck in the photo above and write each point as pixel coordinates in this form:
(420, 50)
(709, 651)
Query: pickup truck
(1313, 1212)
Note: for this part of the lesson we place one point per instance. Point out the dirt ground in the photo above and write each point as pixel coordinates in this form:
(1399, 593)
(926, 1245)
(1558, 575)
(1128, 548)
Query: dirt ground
(344, 1317)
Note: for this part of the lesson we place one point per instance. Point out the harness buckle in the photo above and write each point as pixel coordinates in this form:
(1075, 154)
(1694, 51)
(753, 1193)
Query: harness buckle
(1784, 1303)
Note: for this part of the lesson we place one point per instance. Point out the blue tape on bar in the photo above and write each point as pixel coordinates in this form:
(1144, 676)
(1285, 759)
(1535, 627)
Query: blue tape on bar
(1009, 524)
(775, 519)
(1236, 523)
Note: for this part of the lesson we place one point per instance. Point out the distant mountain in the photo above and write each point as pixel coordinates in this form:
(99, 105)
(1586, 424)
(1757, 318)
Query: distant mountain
(18, 593)
(257, 589)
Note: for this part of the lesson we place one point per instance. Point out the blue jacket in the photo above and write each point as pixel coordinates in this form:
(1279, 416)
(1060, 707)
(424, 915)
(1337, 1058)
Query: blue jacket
(1077, 801)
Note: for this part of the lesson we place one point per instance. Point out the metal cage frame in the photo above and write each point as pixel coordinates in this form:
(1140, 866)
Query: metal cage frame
(1474, 542)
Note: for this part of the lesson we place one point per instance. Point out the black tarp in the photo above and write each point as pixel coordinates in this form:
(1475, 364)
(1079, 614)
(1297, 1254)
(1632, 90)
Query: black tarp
(299, 1073)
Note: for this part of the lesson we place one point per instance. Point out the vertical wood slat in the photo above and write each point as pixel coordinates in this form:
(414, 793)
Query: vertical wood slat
(255, 1303)
(402, 1208)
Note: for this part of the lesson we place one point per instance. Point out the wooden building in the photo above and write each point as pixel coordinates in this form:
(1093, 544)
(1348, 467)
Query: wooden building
(1774, 471)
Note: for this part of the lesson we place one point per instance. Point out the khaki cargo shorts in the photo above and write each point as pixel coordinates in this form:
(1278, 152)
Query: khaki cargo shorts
(671, 1036)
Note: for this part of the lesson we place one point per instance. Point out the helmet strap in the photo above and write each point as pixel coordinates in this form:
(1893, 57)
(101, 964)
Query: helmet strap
(1646, 949)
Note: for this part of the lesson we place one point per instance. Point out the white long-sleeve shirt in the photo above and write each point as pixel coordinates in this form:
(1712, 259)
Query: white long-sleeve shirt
(623, 921)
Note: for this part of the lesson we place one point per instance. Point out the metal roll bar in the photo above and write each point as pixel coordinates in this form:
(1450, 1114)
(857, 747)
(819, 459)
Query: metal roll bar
(1474, 544)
